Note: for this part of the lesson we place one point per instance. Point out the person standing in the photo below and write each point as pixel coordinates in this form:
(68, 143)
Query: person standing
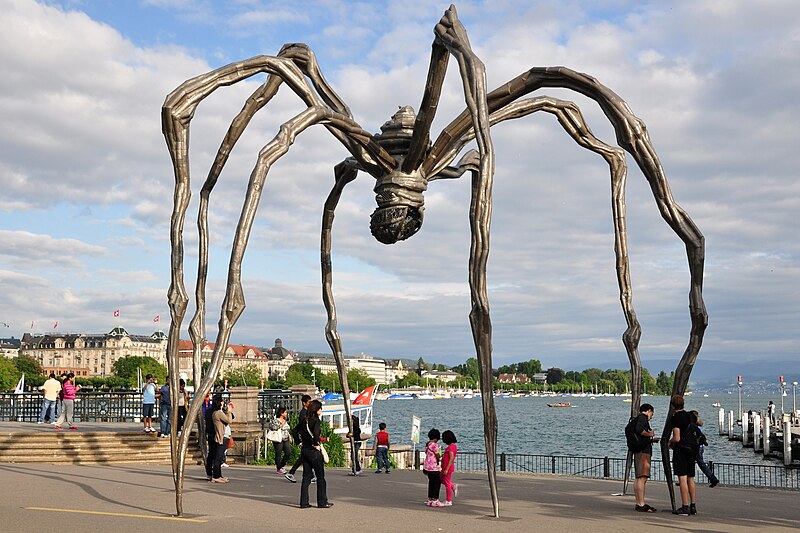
(296, 435)
(313, 464)
(183, 402)
(712, 478)
(165, 411)
(68, 391)
(148, 403)
(283, 447)
(356, 434)
(642, 458)
(683, 461)
(449, 466)
(432, 469)
(771, 412)
(382, 448)
(216, 420)
(50, 391)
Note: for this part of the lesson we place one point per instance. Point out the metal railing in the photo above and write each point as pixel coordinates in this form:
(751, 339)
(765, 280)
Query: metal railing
(765, 476)
(269, 400)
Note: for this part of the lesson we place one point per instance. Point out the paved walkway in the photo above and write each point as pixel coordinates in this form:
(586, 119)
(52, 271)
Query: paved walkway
(136, 497)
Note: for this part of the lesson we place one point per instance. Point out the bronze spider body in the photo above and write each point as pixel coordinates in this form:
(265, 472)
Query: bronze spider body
(403, 162)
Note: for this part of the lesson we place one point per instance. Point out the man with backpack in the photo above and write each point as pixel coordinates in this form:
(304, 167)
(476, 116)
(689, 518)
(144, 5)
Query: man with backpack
(640, 439)
(685, 446)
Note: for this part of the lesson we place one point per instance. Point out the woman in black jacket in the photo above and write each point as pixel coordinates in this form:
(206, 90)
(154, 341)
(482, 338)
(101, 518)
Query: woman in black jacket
(312, 457)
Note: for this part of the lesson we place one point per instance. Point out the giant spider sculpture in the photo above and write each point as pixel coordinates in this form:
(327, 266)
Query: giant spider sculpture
(403, 162)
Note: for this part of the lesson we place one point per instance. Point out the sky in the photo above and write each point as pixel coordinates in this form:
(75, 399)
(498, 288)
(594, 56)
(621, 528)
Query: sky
(86, 181)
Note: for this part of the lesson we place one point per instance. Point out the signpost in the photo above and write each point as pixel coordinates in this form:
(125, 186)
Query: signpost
(416, 422)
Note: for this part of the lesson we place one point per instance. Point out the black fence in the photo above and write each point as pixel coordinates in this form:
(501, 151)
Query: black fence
(93, 406)
(766, 476)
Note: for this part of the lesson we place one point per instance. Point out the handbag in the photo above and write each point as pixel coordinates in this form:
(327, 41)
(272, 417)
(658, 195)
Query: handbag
(231, 443)
(325, 458)
(274, 435)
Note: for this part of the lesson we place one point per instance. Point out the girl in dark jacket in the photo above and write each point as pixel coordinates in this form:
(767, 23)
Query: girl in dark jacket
(312, 456)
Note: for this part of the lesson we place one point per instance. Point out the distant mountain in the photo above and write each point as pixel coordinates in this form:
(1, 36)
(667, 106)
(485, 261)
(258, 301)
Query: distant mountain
(717, 374)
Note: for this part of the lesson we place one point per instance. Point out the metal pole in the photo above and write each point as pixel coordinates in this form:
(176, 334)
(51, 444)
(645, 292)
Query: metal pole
(794, 398)
(783, 384)
(787, 443)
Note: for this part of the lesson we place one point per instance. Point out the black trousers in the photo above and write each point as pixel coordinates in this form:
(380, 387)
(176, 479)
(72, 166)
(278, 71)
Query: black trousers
(283, 450)
(434, 484)
(313, 465)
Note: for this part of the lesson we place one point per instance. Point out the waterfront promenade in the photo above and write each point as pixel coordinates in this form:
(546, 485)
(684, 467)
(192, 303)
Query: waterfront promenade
(120, 497)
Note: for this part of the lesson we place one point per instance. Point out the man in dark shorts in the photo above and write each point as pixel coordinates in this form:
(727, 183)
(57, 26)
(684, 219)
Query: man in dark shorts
(682, 461)
(641, 459)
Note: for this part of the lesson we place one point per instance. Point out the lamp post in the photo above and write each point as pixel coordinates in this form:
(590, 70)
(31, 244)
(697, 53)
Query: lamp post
(783, 384)
(794, 397)
(740, 396)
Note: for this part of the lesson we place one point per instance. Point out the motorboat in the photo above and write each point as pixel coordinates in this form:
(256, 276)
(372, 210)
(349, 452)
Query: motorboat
(559, 404)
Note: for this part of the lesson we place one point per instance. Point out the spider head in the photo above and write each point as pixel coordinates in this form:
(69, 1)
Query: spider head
(398, 194)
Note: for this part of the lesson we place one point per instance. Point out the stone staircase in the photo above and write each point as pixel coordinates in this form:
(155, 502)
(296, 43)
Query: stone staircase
(86, 447)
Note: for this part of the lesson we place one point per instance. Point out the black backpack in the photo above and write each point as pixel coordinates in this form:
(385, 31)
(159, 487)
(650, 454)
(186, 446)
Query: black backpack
(691, 438)
(636, 442)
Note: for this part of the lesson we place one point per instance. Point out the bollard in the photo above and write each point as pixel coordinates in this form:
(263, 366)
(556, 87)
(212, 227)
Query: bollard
(745, 428)
(787, 442)
(757, 432)
(503, 462)
(766, 436)
(730, 424)
(721, 425)
(606, 467)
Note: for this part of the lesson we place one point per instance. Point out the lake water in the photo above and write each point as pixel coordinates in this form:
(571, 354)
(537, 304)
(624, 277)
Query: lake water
(590, 428)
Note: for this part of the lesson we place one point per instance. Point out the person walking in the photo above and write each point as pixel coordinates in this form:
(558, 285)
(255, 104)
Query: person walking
(50, 391)
(68, 391)
(165, 411)
(216, 420)
(183, 403)
(683, 461)
(304, 400)
(313, 464)
(283, 446)
(449, 466)
(356, 434)
(642, 458)
(382, 448)
(431, 468)
(148, 403)
(712, 478)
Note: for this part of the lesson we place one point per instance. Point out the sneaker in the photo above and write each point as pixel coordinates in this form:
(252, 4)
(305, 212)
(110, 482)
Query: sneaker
(282, 470)
(225, 465)
(358, 473)
(377, 471)
(40, 422)
(387, 472)
(645, 509)
(58, 428)
(73, 428)
(714, 483)
(682, 511)
(447, 504)
(290, 477)
(437, 503)
(219, 480)
(692, 509)
(455, 490)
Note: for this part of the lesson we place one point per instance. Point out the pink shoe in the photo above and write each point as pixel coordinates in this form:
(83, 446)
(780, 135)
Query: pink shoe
(437, 503)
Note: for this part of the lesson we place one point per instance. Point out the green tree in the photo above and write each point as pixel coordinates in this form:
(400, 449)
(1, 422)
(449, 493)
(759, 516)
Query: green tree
(530, 367)
(126, 367)
(554, 375)
(28, 365)
(422, 365)
(300, 374)
(358, 380)
(664, 382)
(9, 375)
(470, 369)
(248, 374)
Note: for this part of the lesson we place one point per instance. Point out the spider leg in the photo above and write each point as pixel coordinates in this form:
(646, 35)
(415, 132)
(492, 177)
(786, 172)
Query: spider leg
(344, 173)
(177, 112)
(451, 34)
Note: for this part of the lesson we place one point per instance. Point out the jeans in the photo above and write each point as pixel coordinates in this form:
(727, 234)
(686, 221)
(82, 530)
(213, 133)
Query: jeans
(181, 417)
(165, 419)
(357, 462)
(704, 467)
(313, 465)
(283, 450)
(434, 483)
(382, 457)
(49, 404)
(216, 456)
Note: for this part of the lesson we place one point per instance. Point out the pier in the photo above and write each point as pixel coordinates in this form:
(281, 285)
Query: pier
(756, 430)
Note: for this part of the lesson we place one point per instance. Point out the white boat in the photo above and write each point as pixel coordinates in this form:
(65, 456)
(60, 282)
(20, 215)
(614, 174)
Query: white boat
(336, 416)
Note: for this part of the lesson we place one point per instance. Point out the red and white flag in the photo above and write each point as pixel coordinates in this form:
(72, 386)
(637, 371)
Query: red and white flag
(116, 313)
(365, 398)
(157, 318)
(55, 325)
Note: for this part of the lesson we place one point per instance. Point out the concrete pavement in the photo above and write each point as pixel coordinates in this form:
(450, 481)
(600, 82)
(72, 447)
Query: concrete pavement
(116, 498)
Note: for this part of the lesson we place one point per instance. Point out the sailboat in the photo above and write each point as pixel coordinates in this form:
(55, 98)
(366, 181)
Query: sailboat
(20, 388)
